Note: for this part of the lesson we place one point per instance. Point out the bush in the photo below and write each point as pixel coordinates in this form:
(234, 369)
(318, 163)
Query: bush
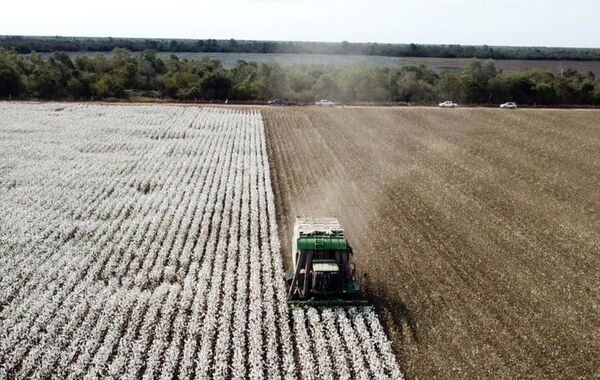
(125, 73)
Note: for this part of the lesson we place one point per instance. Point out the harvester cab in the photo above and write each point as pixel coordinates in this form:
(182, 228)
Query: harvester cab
(323, 270)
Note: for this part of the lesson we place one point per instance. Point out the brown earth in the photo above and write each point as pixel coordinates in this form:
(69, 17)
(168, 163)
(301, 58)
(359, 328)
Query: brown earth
(479, 228)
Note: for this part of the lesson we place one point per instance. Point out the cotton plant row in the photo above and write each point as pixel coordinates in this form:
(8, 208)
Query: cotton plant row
(342, 343)
(144, 244)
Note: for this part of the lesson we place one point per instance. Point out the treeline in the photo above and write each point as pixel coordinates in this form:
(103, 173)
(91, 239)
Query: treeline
(132, 75)
(28, 44)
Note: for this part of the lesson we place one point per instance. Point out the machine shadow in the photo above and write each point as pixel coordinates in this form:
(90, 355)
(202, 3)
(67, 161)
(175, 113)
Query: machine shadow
(395, 315)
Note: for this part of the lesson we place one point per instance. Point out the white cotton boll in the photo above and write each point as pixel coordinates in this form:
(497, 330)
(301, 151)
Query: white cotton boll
(153, 252)
(336, 345)
(383, 343)
(303, 344)
(367, 344)
(352, 345)
(319, 344)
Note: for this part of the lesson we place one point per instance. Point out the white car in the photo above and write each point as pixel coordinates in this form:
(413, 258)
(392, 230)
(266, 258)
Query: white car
(325, 103)
(448, 104)
(509, 105)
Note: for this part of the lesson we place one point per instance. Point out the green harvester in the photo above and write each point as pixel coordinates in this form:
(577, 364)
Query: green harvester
(323, 273)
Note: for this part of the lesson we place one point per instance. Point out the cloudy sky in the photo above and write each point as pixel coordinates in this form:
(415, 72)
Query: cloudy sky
(507, 22)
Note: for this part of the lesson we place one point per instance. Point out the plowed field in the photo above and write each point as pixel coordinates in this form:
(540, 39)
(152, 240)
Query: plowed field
(479, 229)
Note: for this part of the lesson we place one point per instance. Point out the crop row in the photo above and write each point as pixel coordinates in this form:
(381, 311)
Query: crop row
(143, 243)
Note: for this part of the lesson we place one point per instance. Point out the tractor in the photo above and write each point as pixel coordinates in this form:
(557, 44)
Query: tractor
(323, 273)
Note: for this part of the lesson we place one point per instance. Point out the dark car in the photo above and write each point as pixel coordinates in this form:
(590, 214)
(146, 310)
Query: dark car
(277, 102)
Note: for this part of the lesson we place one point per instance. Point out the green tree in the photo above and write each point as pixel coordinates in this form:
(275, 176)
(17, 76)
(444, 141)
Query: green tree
(300, 79)
(597, 92)
(149, 65)
(11, 84)
(364, 82)
(326, 87)
(62, 62)
(477, 79)
(271, 80)
(411, 89)
(44, 83)
(108, 86)
(215, 85)
(123, 73)
(450, 87)
(244, 80)
(79, 88)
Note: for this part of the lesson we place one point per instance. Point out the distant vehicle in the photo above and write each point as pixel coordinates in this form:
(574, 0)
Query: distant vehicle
(509, 105)
(325, 103)
(277, 102)
(448, 104)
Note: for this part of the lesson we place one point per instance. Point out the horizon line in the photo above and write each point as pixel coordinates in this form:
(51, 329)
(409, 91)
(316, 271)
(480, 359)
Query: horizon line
(301, 41)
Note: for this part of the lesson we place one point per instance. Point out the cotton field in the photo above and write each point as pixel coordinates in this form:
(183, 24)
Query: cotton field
(141, 242)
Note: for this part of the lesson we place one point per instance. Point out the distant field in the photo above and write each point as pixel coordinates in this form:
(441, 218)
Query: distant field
(230, 59)
(479, 228)
(512, 64)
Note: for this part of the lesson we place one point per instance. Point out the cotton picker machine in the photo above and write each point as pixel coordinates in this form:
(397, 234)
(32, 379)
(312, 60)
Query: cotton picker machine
(323, 273)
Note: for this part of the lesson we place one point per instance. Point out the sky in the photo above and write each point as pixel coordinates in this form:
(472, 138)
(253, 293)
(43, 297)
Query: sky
(573, 23)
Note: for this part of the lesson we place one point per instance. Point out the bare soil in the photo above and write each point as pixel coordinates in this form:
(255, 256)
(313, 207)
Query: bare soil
(479, 228)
